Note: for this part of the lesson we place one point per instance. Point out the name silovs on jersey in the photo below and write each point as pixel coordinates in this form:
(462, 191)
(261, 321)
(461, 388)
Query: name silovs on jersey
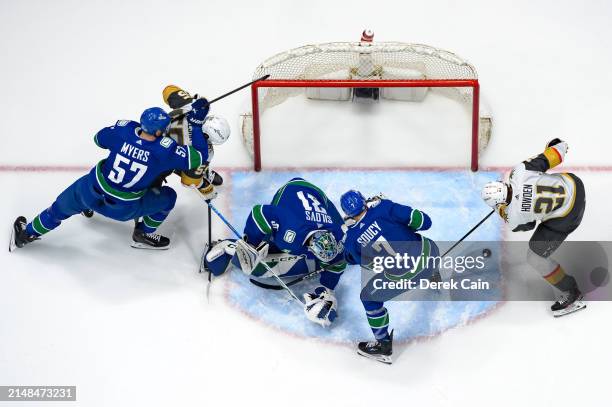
(318, 217)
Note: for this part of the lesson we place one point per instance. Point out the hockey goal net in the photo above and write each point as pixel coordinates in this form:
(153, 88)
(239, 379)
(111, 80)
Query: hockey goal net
(365, 71)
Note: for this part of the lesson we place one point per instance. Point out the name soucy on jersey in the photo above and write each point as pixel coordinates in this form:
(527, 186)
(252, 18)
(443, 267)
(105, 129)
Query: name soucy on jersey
(384, 225)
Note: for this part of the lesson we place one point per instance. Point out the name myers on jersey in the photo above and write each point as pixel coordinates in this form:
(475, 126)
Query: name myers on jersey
(527, 198)
(370, 233)
(135, 152)
(318, 217)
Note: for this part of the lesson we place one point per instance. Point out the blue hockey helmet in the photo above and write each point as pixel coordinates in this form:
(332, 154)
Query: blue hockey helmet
(154, 119)
(352, 203)
(323, 245)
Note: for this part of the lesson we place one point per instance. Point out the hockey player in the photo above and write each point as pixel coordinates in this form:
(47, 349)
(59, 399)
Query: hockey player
(300, 222)
(557, 202)
(378, 225)
(123, 186)
(216, 131)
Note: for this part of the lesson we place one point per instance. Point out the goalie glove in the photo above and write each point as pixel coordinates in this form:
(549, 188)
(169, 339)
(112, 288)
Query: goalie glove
(320, 306)
(249, 257)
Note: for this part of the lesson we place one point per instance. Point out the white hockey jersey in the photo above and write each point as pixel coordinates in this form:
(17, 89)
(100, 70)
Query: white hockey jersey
(536, 195)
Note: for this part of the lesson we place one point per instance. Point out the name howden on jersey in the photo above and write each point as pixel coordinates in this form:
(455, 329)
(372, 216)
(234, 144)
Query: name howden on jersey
(527, 198)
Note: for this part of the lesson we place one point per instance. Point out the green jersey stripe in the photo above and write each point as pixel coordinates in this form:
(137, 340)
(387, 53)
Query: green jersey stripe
(379, 322)
(124, 196)
(39, 227)
(195, 158)
(335, 268)
(416, 219)
(301, 183)
(260, 220)
(152, 223)
(96, 141)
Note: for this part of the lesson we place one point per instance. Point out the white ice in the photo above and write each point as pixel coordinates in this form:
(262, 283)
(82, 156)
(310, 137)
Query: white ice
(134, 328)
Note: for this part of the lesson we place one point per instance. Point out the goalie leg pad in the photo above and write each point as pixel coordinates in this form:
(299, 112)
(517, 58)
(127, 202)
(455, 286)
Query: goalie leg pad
(249, 257)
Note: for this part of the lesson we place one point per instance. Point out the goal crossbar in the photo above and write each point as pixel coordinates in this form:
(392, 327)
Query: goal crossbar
(366, 83)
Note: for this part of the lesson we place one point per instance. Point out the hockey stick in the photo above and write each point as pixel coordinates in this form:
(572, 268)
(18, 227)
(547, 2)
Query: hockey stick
(289, 284)
(469, 232)
(209, 239)
(238, 236)
(182, 111)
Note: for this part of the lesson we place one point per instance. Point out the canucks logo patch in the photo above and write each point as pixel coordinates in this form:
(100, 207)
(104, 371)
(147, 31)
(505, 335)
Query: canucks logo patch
(289, 236)
(166, 142)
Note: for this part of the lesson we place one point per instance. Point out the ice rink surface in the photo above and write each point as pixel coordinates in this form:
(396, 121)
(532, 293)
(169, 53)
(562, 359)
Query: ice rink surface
(132, 327)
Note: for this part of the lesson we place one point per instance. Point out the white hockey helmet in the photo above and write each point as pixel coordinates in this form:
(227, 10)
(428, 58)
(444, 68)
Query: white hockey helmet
(495, 193)
(216, 128)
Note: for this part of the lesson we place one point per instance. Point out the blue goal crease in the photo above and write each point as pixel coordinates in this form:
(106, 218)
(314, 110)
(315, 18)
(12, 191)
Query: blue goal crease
(451, 198)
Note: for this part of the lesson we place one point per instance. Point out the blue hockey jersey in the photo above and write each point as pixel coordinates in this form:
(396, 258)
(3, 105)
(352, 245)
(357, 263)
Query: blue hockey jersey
(297, 210)
(387, 228)
(133, 163)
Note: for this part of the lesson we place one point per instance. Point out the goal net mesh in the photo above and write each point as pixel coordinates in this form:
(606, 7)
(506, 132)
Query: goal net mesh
(359, 61)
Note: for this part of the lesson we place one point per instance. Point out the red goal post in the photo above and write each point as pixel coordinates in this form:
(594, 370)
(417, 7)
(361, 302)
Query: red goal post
(338, 71)
(370, 83)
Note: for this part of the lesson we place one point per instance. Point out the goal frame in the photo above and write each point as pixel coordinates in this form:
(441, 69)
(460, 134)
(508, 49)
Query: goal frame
(365, 83)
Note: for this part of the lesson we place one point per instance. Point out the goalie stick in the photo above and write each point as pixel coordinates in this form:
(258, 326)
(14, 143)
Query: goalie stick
(289, 283)
(238, 236)
(180, 112)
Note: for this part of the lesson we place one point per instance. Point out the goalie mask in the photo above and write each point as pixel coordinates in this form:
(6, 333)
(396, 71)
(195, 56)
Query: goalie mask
(495, 193)
(323, 245)
(216, 129)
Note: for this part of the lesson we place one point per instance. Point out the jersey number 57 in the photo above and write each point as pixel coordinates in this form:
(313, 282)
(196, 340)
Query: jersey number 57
(118, 173)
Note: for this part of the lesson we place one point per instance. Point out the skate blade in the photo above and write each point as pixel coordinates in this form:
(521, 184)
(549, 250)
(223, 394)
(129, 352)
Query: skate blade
(144, 246)
(577, 306)
(12, 245)
(379, 358)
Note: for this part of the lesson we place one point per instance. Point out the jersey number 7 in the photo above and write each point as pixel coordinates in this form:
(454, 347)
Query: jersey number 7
(117, 174)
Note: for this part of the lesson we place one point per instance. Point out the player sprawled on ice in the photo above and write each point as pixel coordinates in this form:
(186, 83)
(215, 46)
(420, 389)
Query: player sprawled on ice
(216, 131)
(299, 232)
(124, 186)
(380, 227)
(557, 202)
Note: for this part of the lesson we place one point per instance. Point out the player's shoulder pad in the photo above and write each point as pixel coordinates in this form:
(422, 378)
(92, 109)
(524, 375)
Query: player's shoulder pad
(127, 123)
(517, 172)
(166, 142)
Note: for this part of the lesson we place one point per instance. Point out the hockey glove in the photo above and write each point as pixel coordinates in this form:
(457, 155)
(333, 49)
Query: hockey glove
(199, 110)
(208, 192)
(249, 257)
(320, 306)
(554, 141)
